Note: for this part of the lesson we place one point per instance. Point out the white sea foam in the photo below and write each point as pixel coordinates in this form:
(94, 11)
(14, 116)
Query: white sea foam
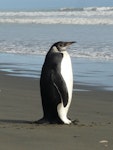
(80, 21)
(88, 9)
(16, 40)
(92, 54)
(103, 53)
(90, 15)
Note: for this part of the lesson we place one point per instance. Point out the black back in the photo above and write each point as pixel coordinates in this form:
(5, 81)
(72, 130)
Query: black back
(52, 85)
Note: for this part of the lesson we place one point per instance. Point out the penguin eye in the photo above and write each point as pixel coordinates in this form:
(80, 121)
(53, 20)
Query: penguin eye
(61, 45)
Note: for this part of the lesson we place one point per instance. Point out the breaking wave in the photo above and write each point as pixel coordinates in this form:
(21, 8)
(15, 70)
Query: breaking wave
(88, 9)
(95, 52)
(80, 16)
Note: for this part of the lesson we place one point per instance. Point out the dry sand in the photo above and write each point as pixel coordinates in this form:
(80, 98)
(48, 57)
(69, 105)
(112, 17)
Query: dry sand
(20, 104)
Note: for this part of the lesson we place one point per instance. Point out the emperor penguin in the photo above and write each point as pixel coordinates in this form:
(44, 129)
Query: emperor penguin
(56, 84)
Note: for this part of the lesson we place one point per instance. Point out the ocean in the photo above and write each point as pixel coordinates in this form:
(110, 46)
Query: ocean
(25, 38)
(90, 15)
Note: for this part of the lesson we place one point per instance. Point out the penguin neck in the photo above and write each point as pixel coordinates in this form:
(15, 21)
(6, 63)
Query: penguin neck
(56, 50)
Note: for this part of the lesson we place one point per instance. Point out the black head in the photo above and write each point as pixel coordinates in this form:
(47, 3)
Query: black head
(61, 46)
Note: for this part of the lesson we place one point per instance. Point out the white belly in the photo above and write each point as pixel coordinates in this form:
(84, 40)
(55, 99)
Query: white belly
(67, 74)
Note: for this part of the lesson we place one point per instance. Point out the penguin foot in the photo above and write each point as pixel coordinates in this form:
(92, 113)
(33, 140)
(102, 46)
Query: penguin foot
(45, 121)
(75, 122)
(41, 121)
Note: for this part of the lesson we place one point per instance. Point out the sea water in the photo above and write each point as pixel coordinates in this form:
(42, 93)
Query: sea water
(25, 38)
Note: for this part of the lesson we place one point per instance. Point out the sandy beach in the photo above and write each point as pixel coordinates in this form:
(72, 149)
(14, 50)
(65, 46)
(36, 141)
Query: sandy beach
(20, 105)
(25, 37)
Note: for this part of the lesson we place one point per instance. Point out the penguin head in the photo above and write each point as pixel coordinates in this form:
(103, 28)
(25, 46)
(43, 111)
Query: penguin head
(61, 46)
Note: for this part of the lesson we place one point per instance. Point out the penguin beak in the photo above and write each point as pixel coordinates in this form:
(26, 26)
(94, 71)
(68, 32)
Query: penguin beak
(69, 43)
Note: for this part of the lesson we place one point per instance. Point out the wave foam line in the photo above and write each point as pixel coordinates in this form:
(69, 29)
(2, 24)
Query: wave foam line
(56, 13)
(101, 55)
(88, 9)
(79, 21)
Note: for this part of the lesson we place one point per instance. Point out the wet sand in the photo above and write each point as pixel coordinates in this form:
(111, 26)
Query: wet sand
(20, 105)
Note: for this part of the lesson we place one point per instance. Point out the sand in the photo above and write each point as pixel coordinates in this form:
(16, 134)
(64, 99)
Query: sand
(20, 105)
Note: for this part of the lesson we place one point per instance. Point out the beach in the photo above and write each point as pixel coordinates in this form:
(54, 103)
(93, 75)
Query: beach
(20, 105)
(25, 38)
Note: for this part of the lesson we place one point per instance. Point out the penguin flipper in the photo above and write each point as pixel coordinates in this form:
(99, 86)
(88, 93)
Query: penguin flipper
(60, 86)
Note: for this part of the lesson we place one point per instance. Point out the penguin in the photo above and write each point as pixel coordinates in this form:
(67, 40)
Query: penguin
(56, 84)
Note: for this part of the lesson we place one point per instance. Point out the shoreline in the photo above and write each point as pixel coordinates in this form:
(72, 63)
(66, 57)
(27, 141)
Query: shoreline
(89, 73)
(20, 104)
(77, 86)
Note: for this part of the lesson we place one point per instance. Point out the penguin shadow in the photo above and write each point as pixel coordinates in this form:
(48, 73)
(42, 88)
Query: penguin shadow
(17, 124)
(46, 122)
(11, 121)
(23, 123)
